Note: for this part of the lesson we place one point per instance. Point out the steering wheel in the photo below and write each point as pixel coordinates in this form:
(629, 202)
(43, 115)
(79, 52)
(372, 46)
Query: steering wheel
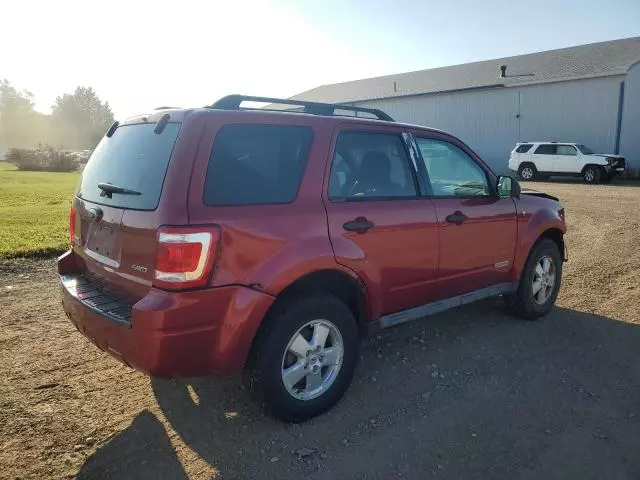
(360, 189)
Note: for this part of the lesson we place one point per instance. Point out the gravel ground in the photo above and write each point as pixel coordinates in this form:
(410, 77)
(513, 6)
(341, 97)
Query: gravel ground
(471, 393)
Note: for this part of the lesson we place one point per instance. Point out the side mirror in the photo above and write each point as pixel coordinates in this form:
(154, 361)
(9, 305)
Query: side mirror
(507, 187)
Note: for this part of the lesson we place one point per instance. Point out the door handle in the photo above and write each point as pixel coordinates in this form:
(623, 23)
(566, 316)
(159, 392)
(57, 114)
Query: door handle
(456, 217)
(360, 225)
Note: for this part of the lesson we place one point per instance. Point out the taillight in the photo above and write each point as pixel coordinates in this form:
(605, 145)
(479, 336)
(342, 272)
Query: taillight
(72, 226)
(185, 256)
(178, 257)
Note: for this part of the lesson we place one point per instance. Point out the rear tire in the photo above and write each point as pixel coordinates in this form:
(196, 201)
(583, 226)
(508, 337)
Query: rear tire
(592, 175)
(288, 347)
(527, 172)
(530, 300)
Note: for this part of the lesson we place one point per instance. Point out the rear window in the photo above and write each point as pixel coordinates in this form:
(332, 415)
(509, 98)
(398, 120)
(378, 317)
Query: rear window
(546, 150)
(524, 148)
(256, 164)
(134, 158)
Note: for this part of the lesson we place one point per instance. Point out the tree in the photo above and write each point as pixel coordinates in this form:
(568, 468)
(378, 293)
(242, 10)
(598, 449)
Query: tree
(80, 119)
(20, 125)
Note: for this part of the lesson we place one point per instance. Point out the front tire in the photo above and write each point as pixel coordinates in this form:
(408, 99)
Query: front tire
(591, 175)
(304, 357)
(540, 282)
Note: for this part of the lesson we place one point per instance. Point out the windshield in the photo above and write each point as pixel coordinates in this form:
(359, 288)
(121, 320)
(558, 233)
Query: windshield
(585, 150)
(134, 162)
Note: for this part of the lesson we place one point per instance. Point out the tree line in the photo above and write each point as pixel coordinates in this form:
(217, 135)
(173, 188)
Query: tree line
(77, 121)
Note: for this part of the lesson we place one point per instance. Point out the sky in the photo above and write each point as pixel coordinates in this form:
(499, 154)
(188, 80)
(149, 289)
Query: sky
(140, 54)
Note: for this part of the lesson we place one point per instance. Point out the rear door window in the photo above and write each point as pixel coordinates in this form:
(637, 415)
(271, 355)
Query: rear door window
(524, 148)
(370, 166)
(134, 158)
(256, 164)
(546, 149)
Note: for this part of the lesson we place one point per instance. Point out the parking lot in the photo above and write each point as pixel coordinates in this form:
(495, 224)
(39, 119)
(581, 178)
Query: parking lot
(471, 393)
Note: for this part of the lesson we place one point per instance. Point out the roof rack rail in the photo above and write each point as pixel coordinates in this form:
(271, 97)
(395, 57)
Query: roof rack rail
(232, 102)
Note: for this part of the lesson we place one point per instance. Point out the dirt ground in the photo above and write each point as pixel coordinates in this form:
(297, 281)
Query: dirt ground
(471, 393)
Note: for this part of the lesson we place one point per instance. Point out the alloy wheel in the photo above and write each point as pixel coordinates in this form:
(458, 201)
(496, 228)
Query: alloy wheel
(312, 359)
(544, 279)
(527, 173)
(589, 175)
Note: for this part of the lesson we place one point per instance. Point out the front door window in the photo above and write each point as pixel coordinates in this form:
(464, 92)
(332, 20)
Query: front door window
(452, 172)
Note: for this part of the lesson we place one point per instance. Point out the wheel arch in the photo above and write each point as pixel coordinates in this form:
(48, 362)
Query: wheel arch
(527, 163)
(346, 286)
(554, 234)
(542, 226)
(594, 165)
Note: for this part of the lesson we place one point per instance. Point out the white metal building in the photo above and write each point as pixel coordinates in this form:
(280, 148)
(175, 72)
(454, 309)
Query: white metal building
(588, 94)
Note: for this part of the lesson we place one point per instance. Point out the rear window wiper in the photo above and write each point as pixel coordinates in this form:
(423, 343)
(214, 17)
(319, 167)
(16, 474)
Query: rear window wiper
(109, 189)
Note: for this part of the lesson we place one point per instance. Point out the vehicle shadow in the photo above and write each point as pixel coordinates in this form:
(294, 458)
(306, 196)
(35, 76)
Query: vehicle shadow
(469, 393)
(140, 451)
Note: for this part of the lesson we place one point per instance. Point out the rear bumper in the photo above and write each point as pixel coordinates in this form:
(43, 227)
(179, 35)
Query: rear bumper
(174, 334)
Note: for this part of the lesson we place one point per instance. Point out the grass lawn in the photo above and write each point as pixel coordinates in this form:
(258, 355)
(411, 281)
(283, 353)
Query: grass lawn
(34, 211)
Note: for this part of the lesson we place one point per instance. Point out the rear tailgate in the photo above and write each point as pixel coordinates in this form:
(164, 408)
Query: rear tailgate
(114, 250)
(115, 223)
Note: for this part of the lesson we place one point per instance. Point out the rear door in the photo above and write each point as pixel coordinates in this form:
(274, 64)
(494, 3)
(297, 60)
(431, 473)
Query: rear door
(380, 223)
(115, 226)
(544, 157)
(477, 229)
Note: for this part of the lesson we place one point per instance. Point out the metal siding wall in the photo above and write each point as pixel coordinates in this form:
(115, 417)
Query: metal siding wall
(630, 131)
(485, 120)
(583, 111)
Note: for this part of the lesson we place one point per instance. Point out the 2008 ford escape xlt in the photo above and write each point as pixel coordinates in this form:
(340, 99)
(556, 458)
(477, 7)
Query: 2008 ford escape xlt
(221, 239)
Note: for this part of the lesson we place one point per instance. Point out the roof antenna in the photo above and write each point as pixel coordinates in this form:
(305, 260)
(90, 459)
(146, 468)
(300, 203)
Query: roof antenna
(112, 129)
(162, 122)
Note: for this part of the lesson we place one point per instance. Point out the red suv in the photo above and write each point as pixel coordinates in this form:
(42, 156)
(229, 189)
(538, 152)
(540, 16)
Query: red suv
(221, 239)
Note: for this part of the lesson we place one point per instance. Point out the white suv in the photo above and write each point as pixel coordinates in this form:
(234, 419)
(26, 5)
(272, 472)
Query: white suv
(540, 160)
